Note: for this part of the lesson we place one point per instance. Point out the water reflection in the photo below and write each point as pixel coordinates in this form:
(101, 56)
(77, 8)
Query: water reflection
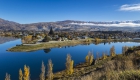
(6, 39)
(47, 50)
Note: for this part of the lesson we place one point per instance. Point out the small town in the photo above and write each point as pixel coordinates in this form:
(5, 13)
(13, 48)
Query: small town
(33, 37)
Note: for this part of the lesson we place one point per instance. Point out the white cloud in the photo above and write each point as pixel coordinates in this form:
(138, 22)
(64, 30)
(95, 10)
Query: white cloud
(109, 25)
(130, 7)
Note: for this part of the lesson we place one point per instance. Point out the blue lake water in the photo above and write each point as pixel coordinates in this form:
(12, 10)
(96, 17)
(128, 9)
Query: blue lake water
(11, 62)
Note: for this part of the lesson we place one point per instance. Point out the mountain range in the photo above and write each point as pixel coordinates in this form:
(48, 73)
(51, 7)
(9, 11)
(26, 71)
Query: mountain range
(72, 25)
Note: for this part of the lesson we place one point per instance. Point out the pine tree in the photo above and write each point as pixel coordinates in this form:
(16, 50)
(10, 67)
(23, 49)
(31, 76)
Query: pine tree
(50, 70)
(69, 64)
(51, 31)
(20, 74)
(42, 75)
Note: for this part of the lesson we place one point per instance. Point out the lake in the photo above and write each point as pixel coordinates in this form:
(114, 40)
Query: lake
(11, 62)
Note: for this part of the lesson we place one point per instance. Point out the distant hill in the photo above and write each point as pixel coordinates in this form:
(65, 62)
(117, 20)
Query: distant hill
(71, 25)
(9, 25)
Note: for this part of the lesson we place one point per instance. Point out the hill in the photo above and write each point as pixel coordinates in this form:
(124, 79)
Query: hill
(71, 25)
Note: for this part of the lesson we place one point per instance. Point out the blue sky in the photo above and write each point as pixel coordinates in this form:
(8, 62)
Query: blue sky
(31, 11)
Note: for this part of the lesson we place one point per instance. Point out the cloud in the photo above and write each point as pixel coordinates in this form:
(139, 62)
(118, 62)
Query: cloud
(109, 25)
(130, 7)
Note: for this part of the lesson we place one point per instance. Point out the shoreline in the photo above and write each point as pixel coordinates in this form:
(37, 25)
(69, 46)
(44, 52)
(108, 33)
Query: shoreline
(45, 45)
(55, 44)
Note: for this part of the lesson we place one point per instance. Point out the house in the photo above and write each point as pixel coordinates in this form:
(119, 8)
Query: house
(136, 38)
(84, 37)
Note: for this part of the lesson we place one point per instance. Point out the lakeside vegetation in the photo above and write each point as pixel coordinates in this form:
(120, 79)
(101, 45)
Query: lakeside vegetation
(114, 66)
(42, 40)
(45, 45)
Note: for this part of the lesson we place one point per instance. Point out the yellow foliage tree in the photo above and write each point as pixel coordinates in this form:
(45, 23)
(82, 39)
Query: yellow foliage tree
(20, 74)
(26, 75)
(89, 58)
(104, 56)
(97, 40)
(50, 70)
(27, 39)
(69, 64)
(112, 51)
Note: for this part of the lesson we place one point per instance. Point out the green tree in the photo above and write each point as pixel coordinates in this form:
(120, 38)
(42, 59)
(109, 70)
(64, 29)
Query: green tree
(46, 38)
(51, 31)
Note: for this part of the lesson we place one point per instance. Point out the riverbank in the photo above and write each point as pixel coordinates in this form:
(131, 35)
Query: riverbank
(120, 67)
(53, 44)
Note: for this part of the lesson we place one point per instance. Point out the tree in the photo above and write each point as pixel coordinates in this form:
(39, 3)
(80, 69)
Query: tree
(7, 77)
(50, 70)
(104, 56)
(20, 74)
(27, 39)
(42, 75)
(46, 38)
(51, 31)
(26, 75)
(89, 58)
(112, 51)
(124, 49)
(69, 64)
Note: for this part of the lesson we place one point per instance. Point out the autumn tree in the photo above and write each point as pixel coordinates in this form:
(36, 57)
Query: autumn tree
(26, 75)
(104, 56)
(50, 70)
(42, 75)
(112, 51)
(27, 39)
(89, 58)
(20, 74)
(7, 77)
(69, 64)
(124, 49)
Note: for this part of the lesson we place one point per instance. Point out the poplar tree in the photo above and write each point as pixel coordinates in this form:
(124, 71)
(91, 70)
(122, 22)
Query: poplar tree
(26, 75)
(7, 77)
(20, 74)
(50, 70)
(89, 58)
(42, 75)
(112, 51)
(69, 65)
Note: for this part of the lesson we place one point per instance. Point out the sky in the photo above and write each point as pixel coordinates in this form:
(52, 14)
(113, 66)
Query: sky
(32, 11)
